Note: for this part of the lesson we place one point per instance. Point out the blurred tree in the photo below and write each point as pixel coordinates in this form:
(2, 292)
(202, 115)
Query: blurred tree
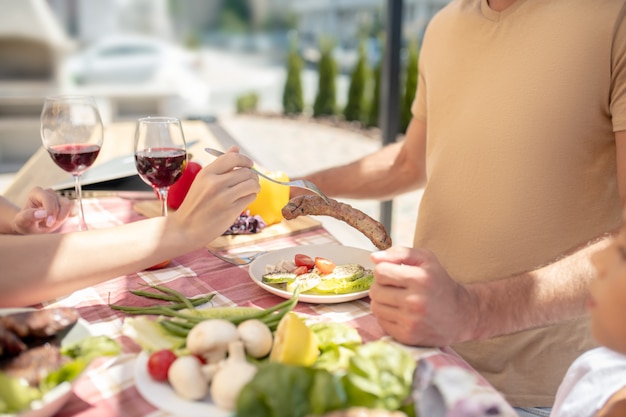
(325, 102)
(293, 102)
(247, 103)
(374, 103)
(354, 110)
(410, 86)
(235, 16)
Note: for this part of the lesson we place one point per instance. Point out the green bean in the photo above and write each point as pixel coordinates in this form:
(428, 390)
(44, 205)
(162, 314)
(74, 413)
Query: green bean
(176, 294)
(180, 323)
(165, 310)
(174, 328)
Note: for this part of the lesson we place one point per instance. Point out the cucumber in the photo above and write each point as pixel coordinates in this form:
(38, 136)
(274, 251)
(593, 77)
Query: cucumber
(305, 282)
(278, 278)
(343, 286)
(348, 272)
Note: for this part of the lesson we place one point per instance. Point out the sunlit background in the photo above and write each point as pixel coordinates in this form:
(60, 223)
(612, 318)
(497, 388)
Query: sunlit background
(198, 59)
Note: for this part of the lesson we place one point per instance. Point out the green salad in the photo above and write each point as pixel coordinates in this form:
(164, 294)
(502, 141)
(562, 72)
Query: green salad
(16, 395)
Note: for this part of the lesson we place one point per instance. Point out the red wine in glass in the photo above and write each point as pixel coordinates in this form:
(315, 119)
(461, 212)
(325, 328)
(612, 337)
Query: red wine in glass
(74, 158)
(160, 167)
(72, 133)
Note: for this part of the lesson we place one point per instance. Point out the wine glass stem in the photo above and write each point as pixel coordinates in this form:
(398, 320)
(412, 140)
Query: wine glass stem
(82, 225)
(163, 198)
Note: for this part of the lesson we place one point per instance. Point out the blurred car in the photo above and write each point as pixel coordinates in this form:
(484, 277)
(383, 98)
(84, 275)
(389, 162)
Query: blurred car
(137, 73)
(129, 60)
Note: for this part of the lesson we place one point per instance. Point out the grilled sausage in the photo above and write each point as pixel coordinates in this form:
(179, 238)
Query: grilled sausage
(316, 206)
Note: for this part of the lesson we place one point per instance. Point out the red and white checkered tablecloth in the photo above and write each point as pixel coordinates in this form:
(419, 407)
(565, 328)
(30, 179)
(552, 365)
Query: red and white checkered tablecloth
(108, 388)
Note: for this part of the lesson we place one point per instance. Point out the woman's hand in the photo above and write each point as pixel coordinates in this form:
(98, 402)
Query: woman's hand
(43, 212)
(218, 195)
(416, 302)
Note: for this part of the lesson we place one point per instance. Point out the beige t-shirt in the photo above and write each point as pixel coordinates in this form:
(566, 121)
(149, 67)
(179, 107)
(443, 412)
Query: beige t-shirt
(520, 108)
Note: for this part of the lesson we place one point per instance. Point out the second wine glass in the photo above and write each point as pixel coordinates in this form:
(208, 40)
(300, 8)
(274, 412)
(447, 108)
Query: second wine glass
(160, 153)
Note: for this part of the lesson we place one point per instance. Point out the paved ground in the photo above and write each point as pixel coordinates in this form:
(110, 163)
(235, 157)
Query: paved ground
(298, 147)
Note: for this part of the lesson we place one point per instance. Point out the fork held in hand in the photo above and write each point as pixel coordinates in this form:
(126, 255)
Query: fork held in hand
(307, 185)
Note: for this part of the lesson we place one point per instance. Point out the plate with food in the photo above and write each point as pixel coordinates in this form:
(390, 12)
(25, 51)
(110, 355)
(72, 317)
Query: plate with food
(161, 394)
(34, 336)
(325, 274)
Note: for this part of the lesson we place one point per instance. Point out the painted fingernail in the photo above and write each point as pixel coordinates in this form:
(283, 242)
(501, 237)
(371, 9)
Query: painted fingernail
(49, 221)
(40, 214)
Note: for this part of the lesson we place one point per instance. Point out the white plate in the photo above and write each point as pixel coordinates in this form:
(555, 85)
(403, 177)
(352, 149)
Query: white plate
(336, 253)
(56, 398)
(162, 395)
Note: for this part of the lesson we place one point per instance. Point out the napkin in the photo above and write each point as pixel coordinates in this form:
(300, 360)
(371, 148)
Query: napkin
(451, 391)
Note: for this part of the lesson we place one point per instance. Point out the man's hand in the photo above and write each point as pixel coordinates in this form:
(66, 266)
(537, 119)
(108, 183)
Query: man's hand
(416, 302)
(43, 212)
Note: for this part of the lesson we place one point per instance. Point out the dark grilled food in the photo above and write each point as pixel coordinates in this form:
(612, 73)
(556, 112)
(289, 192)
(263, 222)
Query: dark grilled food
(20, 331)
(29, 342)
(314, 205)
(34, 364)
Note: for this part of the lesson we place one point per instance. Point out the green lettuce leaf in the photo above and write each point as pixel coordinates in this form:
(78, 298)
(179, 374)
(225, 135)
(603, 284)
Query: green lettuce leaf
(16, 394)
(380, 375)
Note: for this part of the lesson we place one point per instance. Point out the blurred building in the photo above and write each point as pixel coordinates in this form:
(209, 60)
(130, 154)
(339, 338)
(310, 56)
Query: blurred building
(344, 20)
(32, 47)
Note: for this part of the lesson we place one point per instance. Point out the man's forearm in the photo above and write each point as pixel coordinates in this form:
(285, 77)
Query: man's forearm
(379, 176)
(551, 294)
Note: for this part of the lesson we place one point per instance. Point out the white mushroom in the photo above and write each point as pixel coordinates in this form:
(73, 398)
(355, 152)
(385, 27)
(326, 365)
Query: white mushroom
(256, 337)
(210, 339)
(186, 377)
(231, 377)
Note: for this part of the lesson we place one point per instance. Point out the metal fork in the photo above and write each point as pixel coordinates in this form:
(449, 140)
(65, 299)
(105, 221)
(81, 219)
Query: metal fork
(240, 258)
(307, 185)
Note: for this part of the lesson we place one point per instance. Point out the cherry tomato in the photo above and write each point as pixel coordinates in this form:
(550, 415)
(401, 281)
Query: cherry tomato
(178, 190)
(304, 260)
(299, 270)
(159, 363)
(325, 266)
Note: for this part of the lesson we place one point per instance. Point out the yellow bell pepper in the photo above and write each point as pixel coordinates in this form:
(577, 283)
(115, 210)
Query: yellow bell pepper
(271, 199)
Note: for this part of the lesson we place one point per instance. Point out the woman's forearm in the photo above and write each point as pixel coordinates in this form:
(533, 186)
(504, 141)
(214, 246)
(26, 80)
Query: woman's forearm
(46, 266)
(7, 212)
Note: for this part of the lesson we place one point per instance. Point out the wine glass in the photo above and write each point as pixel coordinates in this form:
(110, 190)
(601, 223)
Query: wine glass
(72, 133)
(160, 154)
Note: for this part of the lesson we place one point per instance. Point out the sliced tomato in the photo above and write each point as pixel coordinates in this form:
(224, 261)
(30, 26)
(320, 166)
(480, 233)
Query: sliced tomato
(325, 266)
(299, 270)
(304, 260)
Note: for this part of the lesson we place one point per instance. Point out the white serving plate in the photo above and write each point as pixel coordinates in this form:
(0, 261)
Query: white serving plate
(56, 398)
(337, 253)
(162, 395)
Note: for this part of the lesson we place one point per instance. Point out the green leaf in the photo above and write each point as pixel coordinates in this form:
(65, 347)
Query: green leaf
(67, 372)
(286, 390)
(92, 347)
(16, 394)
(150, 335)
(336, 334)
(380, 375)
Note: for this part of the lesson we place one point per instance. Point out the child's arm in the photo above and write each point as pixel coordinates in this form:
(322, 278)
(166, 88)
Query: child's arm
(615, 406)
